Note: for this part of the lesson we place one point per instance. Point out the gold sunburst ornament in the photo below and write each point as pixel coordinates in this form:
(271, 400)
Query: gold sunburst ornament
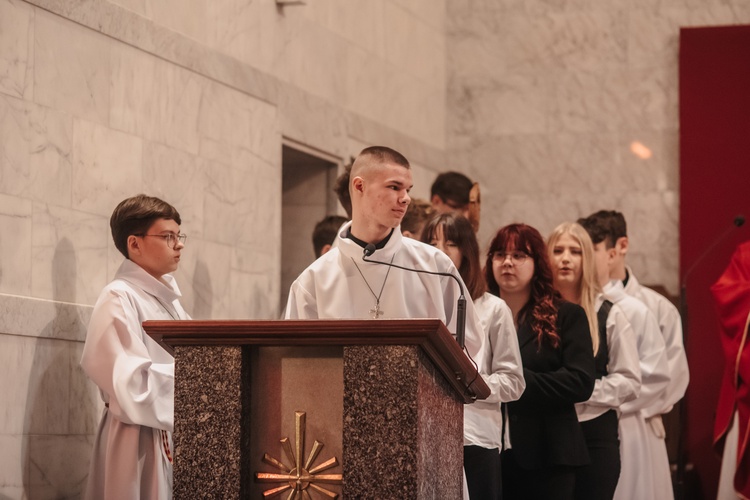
(298, 478)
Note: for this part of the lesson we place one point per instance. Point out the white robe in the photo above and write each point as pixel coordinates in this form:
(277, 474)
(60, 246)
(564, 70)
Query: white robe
(135, 377)
(483, 420)
(332, 287)
(623, 380)
(636, 473)
(670, 325)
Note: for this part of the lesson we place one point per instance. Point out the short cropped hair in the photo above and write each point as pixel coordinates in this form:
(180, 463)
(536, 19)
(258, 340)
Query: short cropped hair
(452, 186)
(325, 232)
(136, 215)
(384, 154)
(605, 225)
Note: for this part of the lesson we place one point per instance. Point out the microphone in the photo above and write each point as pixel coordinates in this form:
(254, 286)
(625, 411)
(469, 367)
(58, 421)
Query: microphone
(460, 306)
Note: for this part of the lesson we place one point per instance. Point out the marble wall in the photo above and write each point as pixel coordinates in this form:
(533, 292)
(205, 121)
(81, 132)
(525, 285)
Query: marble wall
(548, 98)
(191, 101)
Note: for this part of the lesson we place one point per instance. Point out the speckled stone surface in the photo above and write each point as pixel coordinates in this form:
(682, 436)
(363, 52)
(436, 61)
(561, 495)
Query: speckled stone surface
(208, 422)
(403, 427)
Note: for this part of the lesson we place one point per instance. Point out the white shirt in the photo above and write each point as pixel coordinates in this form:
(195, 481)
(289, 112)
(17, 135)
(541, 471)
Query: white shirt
(651, 353)
(623, 380)
(670, 325)
(502, 360)
(332, 286)
(135, 377)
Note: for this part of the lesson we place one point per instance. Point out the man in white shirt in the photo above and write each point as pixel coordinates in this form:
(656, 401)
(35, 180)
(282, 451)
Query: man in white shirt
(133, 452)
(639, 471)
(340, 284)
(670, 326)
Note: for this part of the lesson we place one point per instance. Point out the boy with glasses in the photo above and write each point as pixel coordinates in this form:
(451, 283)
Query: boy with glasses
(133, 450)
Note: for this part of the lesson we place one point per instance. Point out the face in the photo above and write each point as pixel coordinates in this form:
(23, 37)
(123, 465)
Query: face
(447, 246)
(603, 258)
(513, 277)
(152, 252)
(385, 195)
(567, 261)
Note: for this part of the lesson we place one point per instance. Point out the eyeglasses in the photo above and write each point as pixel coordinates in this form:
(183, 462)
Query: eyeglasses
(170, 238)
(516, 258)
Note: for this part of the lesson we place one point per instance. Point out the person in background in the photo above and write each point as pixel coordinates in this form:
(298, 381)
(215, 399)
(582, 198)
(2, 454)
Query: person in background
(731, 293)
(639, 471)
(544, 443)
(324, 233)
(133, 451)
(454, 235)
(417, 215)
(454, 192)
(618, 375)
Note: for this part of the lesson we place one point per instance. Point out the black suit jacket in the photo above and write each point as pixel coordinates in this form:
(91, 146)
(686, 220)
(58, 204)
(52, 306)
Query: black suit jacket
(544, 428)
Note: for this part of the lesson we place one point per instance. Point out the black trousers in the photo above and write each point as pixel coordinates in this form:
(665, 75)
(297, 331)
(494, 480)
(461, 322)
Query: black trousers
(555, 482)
(483, 478)
(598, 480)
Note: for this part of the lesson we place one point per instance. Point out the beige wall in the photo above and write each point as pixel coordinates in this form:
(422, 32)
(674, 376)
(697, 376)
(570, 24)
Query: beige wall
(546, 97)
(190, 100)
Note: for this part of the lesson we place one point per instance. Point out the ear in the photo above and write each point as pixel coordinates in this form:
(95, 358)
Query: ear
(611, 255)
(325, 249)
(134, 246)
(436, 200)
(358, 184)
(408, 234)
(622, 245)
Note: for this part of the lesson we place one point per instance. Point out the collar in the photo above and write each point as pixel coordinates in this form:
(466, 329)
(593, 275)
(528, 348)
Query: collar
(349, 248)
(131, 272)
(379, 246)
(614, 291)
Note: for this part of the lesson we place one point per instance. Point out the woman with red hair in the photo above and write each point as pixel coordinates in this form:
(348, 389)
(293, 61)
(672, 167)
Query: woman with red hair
(543, 441)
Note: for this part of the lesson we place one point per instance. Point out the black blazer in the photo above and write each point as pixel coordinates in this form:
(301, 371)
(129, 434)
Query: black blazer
(544, 428)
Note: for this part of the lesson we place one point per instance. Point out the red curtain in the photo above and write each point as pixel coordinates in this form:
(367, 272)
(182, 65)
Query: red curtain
(714, 188)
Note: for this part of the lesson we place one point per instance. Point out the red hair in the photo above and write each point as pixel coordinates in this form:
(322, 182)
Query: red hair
(541, 309)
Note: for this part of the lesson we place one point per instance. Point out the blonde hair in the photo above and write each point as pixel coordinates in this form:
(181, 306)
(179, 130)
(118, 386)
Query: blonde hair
(589, 286)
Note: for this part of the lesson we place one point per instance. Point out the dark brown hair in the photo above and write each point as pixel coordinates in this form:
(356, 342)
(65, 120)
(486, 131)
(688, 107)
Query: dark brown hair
(605, 225)
(541, 309)
(136, 215)
(457, 229)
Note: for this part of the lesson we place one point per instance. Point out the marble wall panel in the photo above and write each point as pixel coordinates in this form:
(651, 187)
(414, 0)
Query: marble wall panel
(365, 82)
(107, 167)
(154, 99)
(360, 22)
(13, 470)
(35, 151)
(234, 119)
(69, 252)
(71, 68)
(243, 29)
(433, 12)
(566, 40)
(417, 110)
(15, 245)
(58, 466)
(17, 41)
(308, 56)
(413, 46)
(175, 177)
(24, 316)
(140, 7)
(203, 278)
(254, 296)
(192, 21)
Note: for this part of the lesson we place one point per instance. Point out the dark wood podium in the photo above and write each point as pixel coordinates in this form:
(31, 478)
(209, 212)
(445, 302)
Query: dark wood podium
(355, 408)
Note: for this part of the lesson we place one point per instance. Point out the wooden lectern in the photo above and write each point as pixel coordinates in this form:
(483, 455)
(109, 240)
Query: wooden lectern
(356, 408)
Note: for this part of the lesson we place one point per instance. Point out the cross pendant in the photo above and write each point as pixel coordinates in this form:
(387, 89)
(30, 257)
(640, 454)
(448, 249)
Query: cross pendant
(376, 313)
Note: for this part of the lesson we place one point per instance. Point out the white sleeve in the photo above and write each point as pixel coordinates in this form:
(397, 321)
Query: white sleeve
(653, 360)
(116, 358)
(301, 303)
(623, 380)
(501, 365)
(671, 329)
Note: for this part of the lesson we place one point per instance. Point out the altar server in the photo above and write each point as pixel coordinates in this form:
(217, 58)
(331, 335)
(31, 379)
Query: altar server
(639, 474)
(133, 452)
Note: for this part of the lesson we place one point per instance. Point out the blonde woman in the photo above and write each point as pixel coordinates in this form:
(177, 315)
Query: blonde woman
(618, 376)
